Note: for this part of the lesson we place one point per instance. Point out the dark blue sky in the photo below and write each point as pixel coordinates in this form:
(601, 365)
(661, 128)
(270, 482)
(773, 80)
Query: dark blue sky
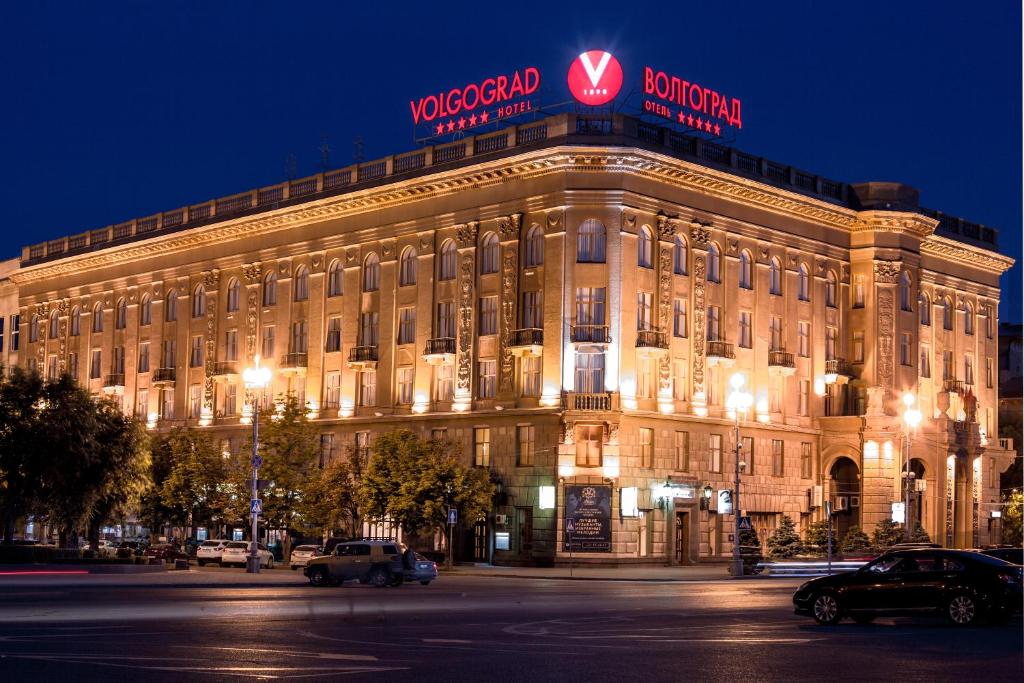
(119, 110)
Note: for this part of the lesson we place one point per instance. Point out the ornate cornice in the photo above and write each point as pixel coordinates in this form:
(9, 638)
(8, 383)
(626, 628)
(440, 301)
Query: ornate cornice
(945, 248)
(894, 221)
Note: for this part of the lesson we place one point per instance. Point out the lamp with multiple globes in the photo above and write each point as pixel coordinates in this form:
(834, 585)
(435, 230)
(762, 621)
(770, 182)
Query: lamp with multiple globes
(737, 403)
(256, 378)
(911, 419)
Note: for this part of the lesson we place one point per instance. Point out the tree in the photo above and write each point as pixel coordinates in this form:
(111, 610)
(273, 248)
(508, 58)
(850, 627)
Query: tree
(919, 535)
(21, 394)
(855, 541)
(816, 538)
(887, 534)
(1011, 520)
(784, 541)
(192, 490)
(331, 498)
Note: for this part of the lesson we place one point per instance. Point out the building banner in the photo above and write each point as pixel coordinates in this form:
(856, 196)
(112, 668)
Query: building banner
(588, 519)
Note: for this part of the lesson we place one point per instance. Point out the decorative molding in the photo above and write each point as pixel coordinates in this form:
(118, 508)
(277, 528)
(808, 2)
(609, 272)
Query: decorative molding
(886, 324)
(951, 250)
(252, 272)
(555, 222)
(894, 221)
(426, 243)
(629, 220)
(697, 330)
(387, 250)
(352, 257)
(509, 294)
(568, 433)
(509, 227)
(316, 264)
(667, 228)
(700, 236)
(888, 272)
(664, 316)
(465, 234)
(284, 268)
(464, 376)
(251, 319)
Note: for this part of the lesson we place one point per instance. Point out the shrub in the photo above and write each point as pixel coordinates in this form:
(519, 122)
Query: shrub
(855, 541)
(784, 541)
(919, 535)
(887, 534)
(816, 538)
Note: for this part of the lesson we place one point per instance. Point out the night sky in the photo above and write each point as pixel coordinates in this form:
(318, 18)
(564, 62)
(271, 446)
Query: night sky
(118, 110)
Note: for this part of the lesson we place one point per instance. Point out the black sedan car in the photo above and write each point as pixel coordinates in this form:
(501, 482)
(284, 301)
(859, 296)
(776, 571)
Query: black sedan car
(960, 584)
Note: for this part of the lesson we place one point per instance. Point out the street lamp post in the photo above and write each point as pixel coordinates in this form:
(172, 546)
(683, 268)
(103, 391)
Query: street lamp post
(738, 402)
(911, 418)
(256, 379)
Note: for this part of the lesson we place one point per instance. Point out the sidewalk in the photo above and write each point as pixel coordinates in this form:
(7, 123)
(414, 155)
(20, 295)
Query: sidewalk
(698, 572)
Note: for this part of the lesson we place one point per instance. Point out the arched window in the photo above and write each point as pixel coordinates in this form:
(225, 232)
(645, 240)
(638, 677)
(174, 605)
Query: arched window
(446, 262)
(831, 287)
(371, 273)
(775, 277)
(97, 317)
(926, 309)
(947, 313)
(680, 256)
(407, 267)
(968, 319)
(301, 283)
(746, 270)
(76, 321)
(171, 306)
(590, 242)
(335, 277)
(270, 289)
(714, 263)
(990, 321)
(489, 254)
(121, 315)
(535, 247)
(905, 292)
(199, 301)
(234, 288)
(803, 283)
(645, 248)
(33, 329)
(54, 325)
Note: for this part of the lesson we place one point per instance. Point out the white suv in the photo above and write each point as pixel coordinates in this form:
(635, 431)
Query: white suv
(237, 552)
(301, 555)
(210, 551)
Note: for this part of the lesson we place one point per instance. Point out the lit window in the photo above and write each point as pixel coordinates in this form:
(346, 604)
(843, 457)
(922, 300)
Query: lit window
(526, 436)
(715, 451)
(371, 273)
(680, 255)
(534, 247)
(645, 248)
(199, 302)
(590, 242)
(407, 268)
(335, 278)
(589, 441)
(482, 447)
(446, 262)
(489, 254)
(714, 264)
(234, 289)
(775, 277)
(301, 283)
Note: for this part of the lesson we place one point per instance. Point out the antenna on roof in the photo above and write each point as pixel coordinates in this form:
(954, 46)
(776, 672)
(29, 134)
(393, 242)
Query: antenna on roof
(325, 154)
(290, 167)
(358, 146)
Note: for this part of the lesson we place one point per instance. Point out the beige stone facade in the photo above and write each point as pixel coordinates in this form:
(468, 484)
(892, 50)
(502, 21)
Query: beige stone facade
(568, 303)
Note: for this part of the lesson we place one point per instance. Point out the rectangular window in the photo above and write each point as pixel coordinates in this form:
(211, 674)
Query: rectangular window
(488, 315)
(679, 322)
(775, 395)
(532, 313)
(2, 321)
(332, 390)
(142, 404)
(589, 439)
(363, 445)
(646, 447)
(526, 436)
(405, 378)
(327, 446)
(747, 453)
(300, 337)
(368, 388)
(167, 404)
(116, 361)
(858, 346)
(968, 369)
(51, 367)
(906, 356)
(438, 433)
(644, 310)
(195, 400)
(805, 397)
(445, 320)
(443, 383)
(803, 330)
(858, 292)
(805, 460)
(15, 332)
(73, 364)
(947, 365)
(830, 343)
(144, 357)
(988, 372)
(487, 374)
(590, 306)
(406, 326)
(231, 345)
(369, 328)
(775, 333)
(95, 365)
(482, 447)
(267, 342)
(589, 378)
(645, 377)
(778, 457)
(230, 399)
(195, 359)
(926, 361)
(715, 451)
(334, 334)
(682, 451)
(713, 324)
(531, 376)
(746, 337)
(679, 379)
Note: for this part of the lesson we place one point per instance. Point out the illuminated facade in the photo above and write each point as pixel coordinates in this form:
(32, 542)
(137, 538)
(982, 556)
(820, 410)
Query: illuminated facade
(567, 299)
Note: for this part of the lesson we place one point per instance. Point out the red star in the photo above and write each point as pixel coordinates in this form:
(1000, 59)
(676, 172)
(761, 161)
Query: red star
(484, 116)
(700, 123)
(462, 122)
(681, 117)
(472, 120)
(440, 128)
(689, 120)
(707, 126)
(718, 129)
(451, 126)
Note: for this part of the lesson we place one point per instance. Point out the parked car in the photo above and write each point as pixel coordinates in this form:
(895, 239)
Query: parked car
(375, 562)
(130, 549)
(237, 553)
(301, 554)
(210, 551)
(418, 568)
(1011, 555)
(165, 552)
(961, 584)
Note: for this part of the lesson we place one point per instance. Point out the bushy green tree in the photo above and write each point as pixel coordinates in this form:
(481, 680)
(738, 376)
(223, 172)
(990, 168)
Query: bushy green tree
(855, 541)
(816, 538)
(887, 534)
(21, 432)
(331, 498)
(784, 541)
(1011, 519)
(192, 489)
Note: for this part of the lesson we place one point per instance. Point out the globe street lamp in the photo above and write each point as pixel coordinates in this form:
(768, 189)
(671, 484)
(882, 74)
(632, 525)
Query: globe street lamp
(256, 380)
(737, 403)
(911, 418)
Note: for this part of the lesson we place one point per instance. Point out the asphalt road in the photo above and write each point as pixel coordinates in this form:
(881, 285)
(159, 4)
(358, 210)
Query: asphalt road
(476, 629)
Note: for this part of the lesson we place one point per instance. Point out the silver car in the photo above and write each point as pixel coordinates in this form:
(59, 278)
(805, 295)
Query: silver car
(210, 551)
(301, 555)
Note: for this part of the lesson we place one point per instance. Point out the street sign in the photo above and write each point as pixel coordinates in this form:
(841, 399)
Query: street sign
(899, 512)
(453, 516)
(745, 524)
(257, 461)
(570, 525)
(256, 506)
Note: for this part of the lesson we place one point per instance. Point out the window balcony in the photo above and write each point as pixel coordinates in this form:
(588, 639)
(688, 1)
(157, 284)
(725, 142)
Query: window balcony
(294, 364)
(590, 335)
(528, 341)
(363, 358)
(440, 351)
(605, 400)
(114, 384)
(163, 377)
(781, 364)
(953, 386)
(225, 371)
(651, 343)
(837, 370)
(720, 353)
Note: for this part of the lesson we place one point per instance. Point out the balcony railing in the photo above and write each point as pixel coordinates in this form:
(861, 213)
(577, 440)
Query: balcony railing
(781, 359)
(652, 339)
(439, 345)
(115, 380)
(363, 354)
(163, 375)
(295, 360)
(838, 366)
(590, 334)
(1006, 443)
(528, 336)
(225, 367)
(953, 386)
(572, 400)
(720, 349)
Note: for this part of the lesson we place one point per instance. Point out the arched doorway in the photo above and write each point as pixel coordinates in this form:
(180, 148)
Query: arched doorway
(918, 488)
(844, 491)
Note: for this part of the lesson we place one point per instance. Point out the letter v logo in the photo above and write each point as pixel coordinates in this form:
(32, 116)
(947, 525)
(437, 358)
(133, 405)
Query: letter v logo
(595, 85)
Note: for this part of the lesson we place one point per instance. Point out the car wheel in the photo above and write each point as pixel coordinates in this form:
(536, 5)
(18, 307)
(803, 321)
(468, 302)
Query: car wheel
(424, 583)
(270, 563)
(294, 567)
(863, 617)
(201, 563)
(962, 609)
(318, 577)
(378, 578)
(825, 609)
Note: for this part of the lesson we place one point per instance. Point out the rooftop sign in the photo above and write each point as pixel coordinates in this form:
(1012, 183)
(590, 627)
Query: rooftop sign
(470, 105)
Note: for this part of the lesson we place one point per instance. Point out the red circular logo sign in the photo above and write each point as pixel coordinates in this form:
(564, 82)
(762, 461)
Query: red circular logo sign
(595, 78)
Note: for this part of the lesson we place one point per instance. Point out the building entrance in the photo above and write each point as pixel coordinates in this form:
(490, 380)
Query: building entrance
(682, 544)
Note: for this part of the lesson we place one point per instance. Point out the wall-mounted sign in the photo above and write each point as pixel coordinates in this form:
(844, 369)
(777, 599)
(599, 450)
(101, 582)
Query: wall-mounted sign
(695, 106)
(491, 99)
(724, 501)
(595, 78)
(588, 513)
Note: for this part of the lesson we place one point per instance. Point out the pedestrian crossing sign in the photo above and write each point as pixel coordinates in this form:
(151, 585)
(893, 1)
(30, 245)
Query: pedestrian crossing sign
(256, 506)
(745, 524)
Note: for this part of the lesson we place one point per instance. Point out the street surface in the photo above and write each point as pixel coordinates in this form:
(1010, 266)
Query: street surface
(470, 628)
